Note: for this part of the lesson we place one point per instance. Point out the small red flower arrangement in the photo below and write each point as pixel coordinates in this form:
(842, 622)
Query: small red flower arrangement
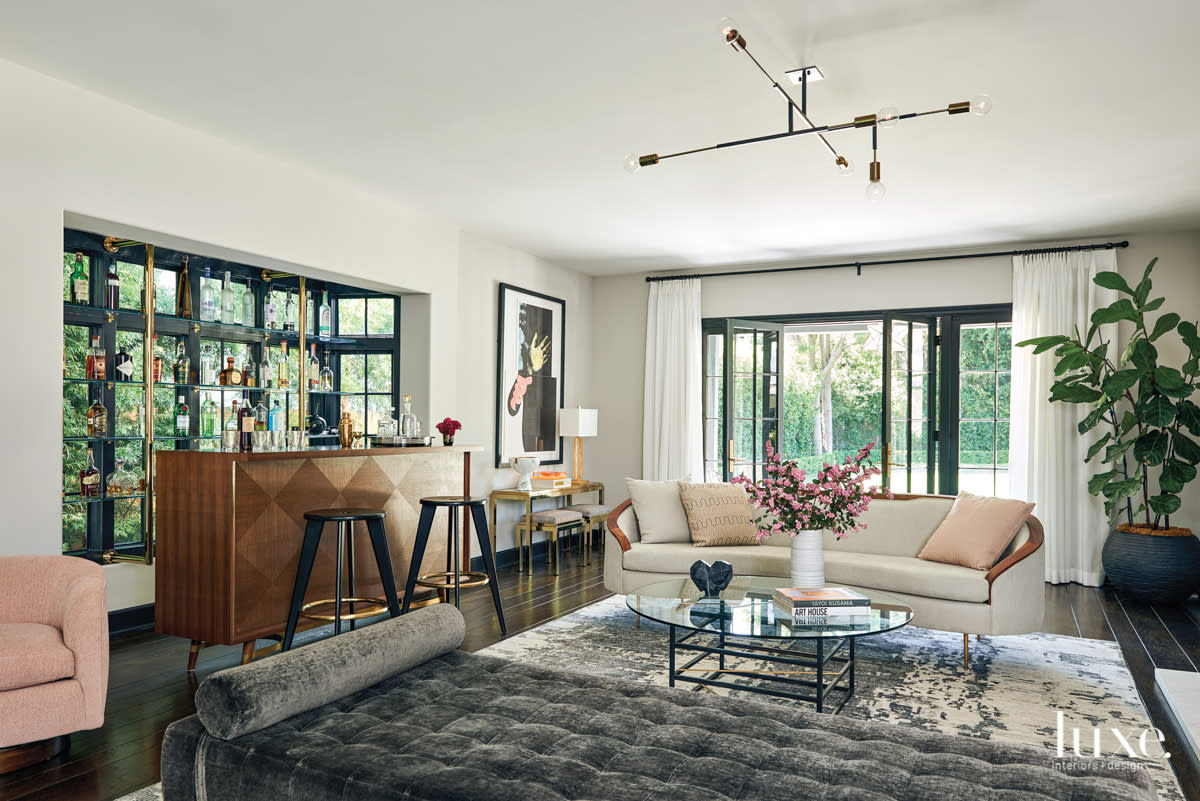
(447, 427)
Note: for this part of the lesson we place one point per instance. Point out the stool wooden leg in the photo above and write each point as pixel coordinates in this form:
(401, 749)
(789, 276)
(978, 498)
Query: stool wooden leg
(193, 653)
(489, 561)
(308, 554)
(554, 536)
(418, 553)
(247, 652)
(383, 558)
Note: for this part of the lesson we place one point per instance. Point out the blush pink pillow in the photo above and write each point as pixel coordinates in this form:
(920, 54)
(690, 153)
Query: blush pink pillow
(976, 531)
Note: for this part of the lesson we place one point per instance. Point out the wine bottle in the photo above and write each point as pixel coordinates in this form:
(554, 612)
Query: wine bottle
(246, 427)
(79, 282)
(183, 291)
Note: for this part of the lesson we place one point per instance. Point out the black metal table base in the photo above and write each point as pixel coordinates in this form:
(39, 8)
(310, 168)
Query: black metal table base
(823, 676)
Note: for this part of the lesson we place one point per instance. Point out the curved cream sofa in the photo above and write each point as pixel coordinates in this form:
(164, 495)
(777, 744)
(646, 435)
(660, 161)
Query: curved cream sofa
(1007, 599)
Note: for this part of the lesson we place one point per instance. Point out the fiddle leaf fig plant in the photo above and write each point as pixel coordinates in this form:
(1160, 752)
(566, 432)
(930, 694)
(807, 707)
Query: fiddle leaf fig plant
(1144, 408)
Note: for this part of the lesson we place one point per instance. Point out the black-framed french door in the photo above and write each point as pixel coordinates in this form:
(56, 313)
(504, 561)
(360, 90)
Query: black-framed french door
(743, 372)
(908, 453)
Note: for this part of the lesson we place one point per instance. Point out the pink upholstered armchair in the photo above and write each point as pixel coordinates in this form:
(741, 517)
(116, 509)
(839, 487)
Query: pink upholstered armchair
(53, 654)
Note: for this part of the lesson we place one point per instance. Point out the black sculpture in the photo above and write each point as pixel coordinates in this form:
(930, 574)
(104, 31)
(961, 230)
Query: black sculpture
(711, 579)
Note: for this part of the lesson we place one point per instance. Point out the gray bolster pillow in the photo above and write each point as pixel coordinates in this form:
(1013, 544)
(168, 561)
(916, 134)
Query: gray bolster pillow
(251, 697)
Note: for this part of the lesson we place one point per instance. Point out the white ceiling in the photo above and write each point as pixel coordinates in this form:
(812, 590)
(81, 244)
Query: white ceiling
(512, 118)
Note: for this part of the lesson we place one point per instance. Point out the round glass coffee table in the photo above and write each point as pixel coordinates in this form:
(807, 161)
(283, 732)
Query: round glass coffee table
(807, 662)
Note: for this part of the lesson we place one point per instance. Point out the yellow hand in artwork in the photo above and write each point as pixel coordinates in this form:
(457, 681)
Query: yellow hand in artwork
(538, 353)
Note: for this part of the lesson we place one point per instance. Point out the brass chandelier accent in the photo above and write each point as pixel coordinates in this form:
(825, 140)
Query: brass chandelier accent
(886, 117)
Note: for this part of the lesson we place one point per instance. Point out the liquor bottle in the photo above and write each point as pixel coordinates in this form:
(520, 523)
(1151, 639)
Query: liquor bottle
(123, 365)
(209, 413)
(232, 427)
(281, 367)
(183, 365)
(314, 370)
(79, 282)
(183, 418)
(266, 373)
(326, 378)
(89, 478)
(275, 422)
(183, 291)
(310, 321)
(249, 373)
(289, 323)
(230, 376)
(227, 305)
(245, 427)
(269, 316)
(95, 361)
(156, 371)
(112, 288)
(324, 317)
(97, 419)
(208, 366)
(262, 417)
(208, 298)
(248, 305)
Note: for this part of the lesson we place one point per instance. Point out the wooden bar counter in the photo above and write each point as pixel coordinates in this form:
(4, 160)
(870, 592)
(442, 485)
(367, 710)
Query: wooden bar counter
(229, 528)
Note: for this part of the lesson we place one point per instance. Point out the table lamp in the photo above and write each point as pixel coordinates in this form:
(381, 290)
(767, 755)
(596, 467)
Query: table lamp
(578, 423)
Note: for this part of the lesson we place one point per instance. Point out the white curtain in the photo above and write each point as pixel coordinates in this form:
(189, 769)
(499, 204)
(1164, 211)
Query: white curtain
(672, 433)
(1053, 293)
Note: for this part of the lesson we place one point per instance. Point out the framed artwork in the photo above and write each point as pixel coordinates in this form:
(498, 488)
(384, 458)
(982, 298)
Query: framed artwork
(529, 375)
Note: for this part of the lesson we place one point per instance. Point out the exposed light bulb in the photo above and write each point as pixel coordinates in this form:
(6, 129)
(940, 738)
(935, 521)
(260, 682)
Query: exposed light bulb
(875, 191)
(632, 164)
(845, 166)
(727, 28)
(887, 117)
(981, 104)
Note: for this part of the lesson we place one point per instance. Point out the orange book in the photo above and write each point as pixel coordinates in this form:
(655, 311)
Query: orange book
(822, 596)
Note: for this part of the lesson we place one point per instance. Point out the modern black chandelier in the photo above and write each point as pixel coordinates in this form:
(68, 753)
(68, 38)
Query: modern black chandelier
(886, 117)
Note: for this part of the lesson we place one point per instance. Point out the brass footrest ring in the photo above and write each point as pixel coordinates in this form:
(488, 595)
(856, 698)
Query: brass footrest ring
(445, 579)
(377, 607)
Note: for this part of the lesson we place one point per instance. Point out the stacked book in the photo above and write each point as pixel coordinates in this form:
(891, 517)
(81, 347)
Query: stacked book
(837, 606)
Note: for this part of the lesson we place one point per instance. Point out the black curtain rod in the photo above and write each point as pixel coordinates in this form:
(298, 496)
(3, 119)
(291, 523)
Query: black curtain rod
(861, 264)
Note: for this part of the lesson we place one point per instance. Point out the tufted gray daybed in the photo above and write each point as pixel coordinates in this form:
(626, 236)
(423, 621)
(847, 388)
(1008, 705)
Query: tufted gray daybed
(393, 711)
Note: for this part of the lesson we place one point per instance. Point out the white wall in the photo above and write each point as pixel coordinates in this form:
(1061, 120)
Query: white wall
(620, 310)
(148, 178)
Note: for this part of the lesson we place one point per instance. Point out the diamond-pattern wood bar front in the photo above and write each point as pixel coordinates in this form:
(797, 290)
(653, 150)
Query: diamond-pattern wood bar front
(230, 527)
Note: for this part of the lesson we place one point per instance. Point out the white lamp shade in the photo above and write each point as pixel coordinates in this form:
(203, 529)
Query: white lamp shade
(578, 422)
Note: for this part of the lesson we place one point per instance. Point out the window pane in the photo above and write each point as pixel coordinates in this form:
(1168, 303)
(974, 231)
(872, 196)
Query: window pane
(353, 372)
(1003, 395)
(131, 452)
(74, 458)
(351, 316)
(76, 340)
(977, 396)
(380, 316)
(1004, 346)
(74, 536)
(75, 403)
(130, 400)
(379, 372)
(131, 343)
(164, 412)
(355, 405)
(378, 407)
(164, 293)
(68, 268)
(127, 521)
(133, 279)
(976, 445)
(978, 348)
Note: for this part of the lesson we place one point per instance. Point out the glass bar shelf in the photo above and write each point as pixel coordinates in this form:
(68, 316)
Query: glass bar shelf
(72, 499)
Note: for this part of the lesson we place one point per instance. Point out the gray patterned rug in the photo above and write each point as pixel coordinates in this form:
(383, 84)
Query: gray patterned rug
(911, 676)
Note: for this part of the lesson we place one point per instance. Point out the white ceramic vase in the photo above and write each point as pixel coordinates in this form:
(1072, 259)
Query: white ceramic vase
(524, 465)
(808, 559)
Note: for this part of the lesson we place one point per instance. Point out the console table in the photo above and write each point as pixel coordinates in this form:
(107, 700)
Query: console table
(529, 496)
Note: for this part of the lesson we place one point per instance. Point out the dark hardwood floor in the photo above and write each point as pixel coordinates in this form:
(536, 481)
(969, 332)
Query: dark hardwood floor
(149, 688)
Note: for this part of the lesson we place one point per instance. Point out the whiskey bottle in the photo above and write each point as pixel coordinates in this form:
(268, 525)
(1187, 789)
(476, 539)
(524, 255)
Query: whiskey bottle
(183, 365)
(230, 376)
(326, 378)
(89, 478)
(249, 374)
(112, 288)
(123, 365)
(246, 427)
(281, 367)
(248, 305)
(208, 298)
(97, 419)
(314, 370)
(183, 418)
(227, 305)
(183, 291)
(94, 362)
(324, 317)
(209, 412)
(159, 359)
(79, 282)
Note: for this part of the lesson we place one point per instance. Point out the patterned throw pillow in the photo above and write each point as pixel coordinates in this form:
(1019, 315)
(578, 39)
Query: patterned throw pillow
(718, 514)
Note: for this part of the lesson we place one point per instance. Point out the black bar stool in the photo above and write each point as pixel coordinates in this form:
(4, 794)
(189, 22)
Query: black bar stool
(454, 577)
(345, 519)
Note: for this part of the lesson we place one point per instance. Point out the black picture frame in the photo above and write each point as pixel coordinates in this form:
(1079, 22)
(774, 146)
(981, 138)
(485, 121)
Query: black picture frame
(530, 366)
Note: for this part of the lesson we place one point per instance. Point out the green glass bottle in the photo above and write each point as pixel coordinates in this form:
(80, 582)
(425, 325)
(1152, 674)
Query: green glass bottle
(79, 282)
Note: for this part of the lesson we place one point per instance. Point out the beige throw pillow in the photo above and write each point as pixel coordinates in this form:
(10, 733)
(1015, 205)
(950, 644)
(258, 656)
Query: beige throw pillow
(718, 514)
(659, 512)
(976, 531)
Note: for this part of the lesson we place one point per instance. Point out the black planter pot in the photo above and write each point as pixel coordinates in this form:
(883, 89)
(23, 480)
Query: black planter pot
(1157, 569)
